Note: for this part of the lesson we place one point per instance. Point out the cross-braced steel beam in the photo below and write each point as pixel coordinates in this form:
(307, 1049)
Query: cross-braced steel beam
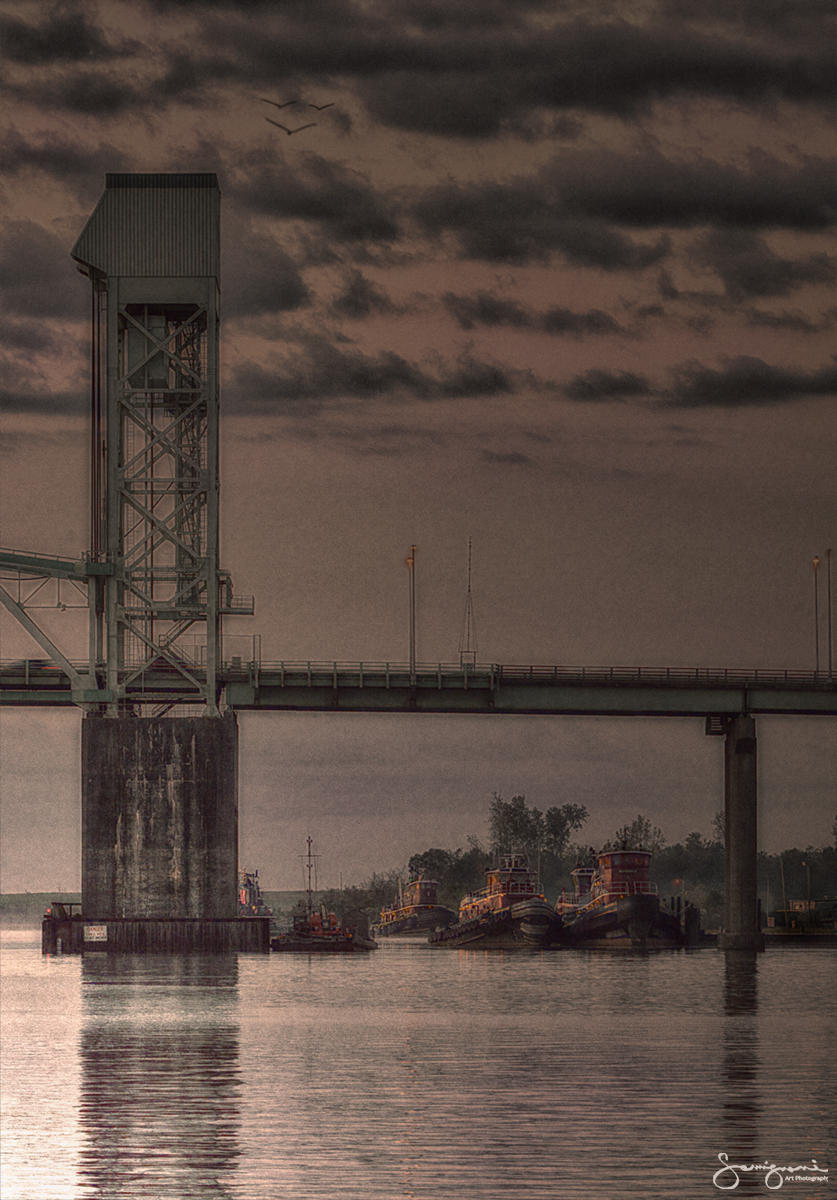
(152, 581)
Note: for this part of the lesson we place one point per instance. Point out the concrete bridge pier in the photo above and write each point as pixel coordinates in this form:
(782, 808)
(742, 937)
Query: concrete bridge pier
(160, 835)
(741, 926)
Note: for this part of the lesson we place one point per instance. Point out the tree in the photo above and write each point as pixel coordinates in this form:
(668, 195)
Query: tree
(432, 864)
(719, 827)
(639, 835)
(456, 871)
(514, 826)
(560, 823)
(544, 838)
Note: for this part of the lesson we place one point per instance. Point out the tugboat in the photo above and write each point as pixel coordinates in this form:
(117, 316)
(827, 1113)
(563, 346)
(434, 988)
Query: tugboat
(250, 900)
(614, 905)
(314, 931)
(415, 912)
(510, 912)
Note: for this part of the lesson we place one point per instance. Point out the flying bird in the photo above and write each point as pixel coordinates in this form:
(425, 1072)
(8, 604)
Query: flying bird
(320, 107)
(298, 129)
(276, 104)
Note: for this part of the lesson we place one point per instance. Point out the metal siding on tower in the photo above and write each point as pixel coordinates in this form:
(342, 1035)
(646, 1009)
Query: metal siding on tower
(154, 225)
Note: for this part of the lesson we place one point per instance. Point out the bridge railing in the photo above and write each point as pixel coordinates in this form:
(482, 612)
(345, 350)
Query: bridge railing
(669, 676)
(284, 673)
(375, 674)
(310, 673)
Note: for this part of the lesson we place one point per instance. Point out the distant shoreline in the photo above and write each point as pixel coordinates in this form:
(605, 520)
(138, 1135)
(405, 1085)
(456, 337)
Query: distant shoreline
(25, 910)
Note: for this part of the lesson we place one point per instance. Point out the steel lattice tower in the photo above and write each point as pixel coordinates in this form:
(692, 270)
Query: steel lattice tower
(151, 250)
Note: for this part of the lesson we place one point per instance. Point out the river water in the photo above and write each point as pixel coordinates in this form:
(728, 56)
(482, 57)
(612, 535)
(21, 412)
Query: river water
(416, 1073)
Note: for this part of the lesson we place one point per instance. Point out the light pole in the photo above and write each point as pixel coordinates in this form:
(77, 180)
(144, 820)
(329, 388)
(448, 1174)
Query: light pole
(828, 606)
(815, 562)
(411, 564)
(807, 867)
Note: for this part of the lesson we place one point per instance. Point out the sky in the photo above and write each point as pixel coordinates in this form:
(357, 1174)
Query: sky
(559, 280)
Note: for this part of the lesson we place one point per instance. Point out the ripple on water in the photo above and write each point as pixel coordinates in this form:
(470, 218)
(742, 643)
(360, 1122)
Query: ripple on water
(408, 1073)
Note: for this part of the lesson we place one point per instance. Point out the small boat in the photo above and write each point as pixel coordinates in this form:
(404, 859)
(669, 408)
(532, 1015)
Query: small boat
(415, 912)
(614, 905)
(250, 900)
(803, 921)
(314, 931)
(317, 932)
(510, 912)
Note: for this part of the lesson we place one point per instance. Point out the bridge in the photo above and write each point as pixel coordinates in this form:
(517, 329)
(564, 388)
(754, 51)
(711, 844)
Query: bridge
(490, 688)
(160, 793)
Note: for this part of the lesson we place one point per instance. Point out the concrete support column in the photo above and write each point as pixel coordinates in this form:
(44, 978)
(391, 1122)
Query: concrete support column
(741, 930)
(159, 817)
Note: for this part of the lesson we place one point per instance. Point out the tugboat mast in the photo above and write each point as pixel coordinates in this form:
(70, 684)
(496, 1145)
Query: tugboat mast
(310, 868)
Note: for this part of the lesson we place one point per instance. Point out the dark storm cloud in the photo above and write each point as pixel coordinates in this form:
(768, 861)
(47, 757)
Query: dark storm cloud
(333, 196)
(439, 15)
(289, 6)
(379, 441)
(323, 373)
(101, 94)
(185, 78)
(520, 222)
(303, 385)
(579, 324)
(507, 458)
(36, 276)
(649, 190)
(25, 391)
(362, 298)
(746, 381)
(454, 103)
(598, 386)
(28, 336)
(474, 70)
(793, 322)
(574, 205)
(740, 382)
(487, 309)
(748, 267)
(796, 19)
(484, 308)
(64, 35)
(67, 403)
(473, 378)
(62, 159)
(621, 66)
(258, 277)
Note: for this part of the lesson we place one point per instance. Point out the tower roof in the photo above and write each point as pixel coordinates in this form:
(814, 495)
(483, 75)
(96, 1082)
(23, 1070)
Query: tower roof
(154, 225)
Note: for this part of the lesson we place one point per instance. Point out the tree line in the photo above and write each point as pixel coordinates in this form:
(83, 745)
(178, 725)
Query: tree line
(693, 868)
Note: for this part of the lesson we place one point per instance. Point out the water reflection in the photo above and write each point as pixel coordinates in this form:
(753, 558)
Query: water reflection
(742, 1107)
(159, 1104)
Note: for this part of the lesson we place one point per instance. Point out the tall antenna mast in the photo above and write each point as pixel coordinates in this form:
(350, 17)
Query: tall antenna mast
(468, 641)
(411, 565)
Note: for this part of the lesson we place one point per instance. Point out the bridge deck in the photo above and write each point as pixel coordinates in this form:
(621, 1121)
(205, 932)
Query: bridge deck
(446, 688)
